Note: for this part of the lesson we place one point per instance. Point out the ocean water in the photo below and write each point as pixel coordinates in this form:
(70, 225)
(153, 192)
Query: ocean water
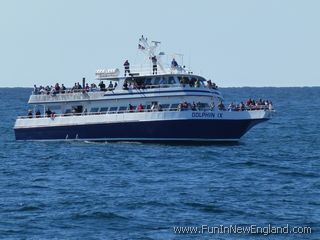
(82, 190)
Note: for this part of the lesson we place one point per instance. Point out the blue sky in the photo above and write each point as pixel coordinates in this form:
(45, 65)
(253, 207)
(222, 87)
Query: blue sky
(235, 43)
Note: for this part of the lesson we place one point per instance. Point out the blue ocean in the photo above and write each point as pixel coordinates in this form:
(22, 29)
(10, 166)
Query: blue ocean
(84, 190)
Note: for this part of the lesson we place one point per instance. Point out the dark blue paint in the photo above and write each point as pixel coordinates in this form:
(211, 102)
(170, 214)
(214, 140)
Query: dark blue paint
(160, 92)
(192, 129)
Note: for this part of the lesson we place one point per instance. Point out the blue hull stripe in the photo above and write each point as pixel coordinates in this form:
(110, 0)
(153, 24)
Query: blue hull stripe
(157, 92)
(173, 129)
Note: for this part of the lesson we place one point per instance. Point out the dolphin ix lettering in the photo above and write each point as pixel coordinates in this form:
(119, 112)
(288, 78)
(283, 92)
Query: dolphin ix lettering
(206, 115)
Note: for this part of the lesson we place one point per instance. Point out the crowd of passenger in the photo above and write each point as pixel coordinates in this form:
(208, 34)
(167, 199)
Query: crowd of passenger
(251, 104)
(61, 89)
(57, 89)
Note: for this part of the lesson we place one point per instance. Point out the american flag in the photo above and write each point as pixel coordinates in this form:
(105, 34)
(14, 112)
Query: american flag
(141, 47)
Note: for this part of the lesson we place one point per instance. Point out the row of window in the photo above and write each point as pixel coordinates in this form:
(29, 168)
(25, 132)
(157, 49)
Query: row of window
(103, 110)
(166, 80)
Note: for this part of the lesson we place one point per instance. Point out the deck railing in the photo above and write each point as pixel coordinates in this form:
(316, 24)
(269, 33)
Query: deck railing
(202, 109)
(144, 70)
(82, 94)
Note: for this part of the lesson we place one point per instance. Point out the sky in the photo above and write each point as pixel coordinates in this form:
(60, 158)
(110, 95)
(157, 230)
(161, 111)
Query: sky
(235, 43)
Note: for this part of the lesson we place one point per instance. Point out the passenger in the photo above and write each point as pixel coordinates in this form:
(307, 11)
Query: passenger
(194, 107)
(48, 89)
(154, 65)
(93, 87)
(159, 107)
(35, 90)
(197, 83)
(212, 106)
(57, 88)
(110, 87)
(102, 86)
(249, 102)
(126, 68)
(192, 82)
(221, 106)
(130, 108)
(125, 85)
(214, 86)
(270, 106)
(73, 89)
(140, 108)
(185, 105)
(38, 113)
(87, 88)
(43, 91)
(79, 86)
(209, 84)
(30, 114)
(153, 107)
(242, 107)
(63, 88)
(231, 107)
(48, 113)
(53, 91)
(199, 106)
(174, 64)
(184, 81)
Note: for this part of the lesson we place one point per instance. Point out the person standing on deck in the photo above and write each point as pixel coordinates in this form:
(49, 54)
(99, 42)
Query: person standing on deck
(126, 68)
(154, 65)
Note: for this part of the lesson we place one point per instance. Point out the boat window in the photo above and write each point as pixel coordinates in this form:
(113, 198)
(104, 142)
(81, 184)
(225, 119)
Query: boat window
(122, 109)
(54, 108)
(204, 106)
(94, 110)
(202, 80)
(104, 109)
(67, 112)
(174, 107)
(148, 81)
(113, 109)
(77, 109)
(171, 80)
(140, 82)
(183, 79)
(156, 81)
(193, 80)
(165, 106)
(164, 80)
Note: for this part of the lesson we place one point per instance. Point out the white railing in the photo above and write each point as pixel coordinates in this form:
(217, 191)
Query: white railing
(148, 70)
(82, 94)
(66, 96)
(169, 109)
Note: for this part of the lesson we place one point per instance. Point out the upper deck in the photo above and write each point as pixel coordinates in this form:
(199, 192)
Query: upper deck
(132, 86)
(155, 79)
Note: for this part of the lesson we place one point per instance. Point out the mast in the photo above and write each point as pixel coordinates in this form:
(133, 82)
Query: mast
(150, 50)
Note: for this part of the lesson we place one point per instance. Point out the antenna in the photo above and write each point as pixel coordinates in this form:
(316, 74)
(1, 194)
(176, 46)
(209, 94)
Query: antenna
(150, 50)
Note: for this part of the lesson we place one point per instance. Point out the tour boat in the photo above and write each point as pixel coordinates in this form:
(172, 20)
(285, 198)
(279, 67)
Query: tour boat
(158, 102)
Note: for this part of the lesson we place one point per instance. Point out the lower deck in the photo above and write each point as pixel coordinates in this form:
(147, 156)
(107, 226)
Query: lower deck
(144, 126)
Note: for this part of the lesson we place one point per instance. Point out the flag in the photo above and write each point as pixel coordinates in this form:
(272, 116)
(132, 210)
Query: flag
(141, 47)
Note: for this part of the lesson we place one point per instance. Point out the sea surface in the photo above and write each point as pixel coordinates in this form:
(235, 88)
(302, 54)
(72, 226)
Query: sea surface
(83, 190)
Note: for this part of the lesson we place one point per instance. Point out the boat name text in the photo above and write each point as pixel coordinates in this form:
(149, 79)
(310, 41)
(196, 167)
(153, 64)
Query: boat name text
(206, 115)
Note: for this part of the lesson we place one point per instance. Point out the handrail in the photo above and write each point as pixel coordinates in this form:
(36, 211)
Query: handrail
(73, 92)
(54, 115)
(147, 70)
